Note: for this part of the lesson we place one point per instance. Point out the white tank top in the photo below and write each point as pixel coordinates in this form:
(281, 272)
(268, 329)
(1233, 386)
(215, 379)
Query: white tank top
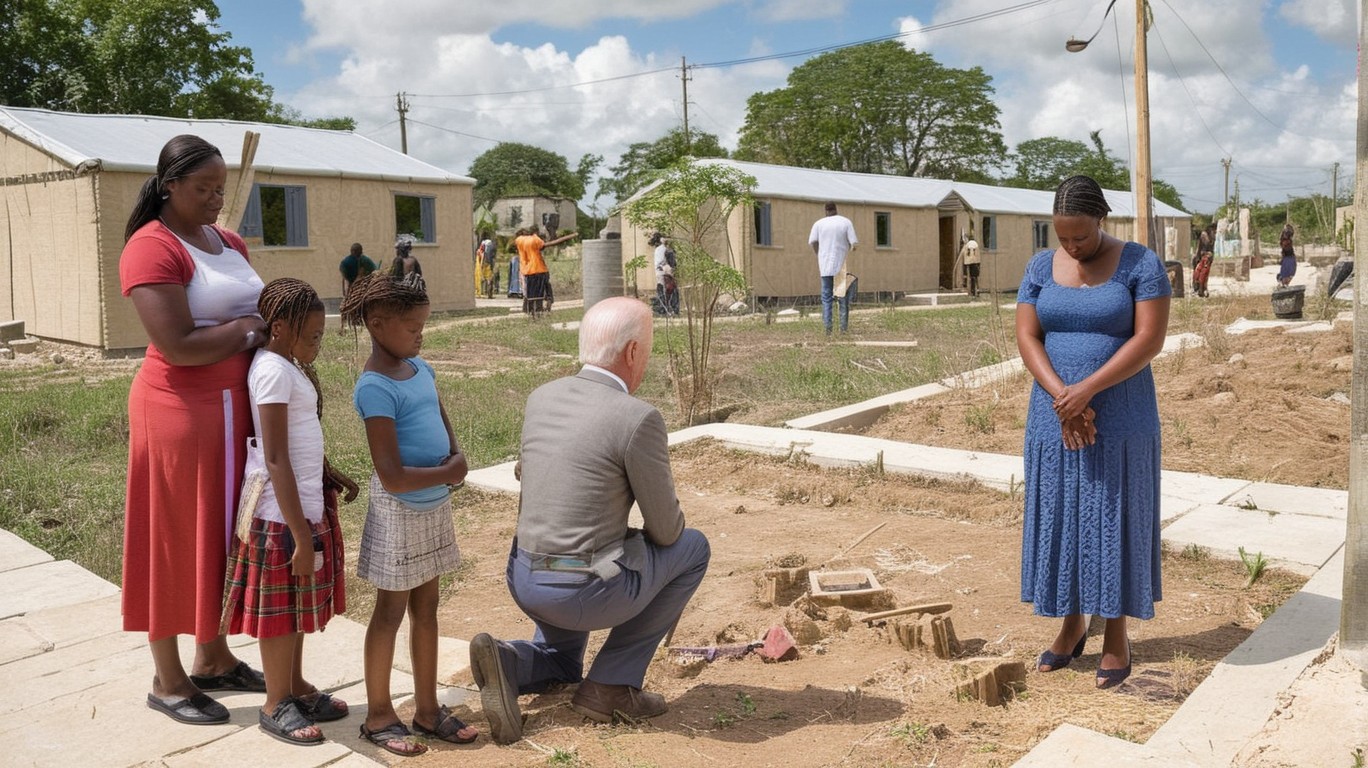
(224, 286)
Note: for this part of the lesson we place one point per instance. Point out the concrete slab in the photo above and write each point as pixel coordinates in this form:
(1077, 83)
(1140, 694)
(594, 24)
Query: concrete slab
(981, 377)
(17, 553)
(1202, 489)
(1070, 745)
(1244, 325)
(1232, 705)
(116, 728)
(862, 414)
(893, 344)
(1272, 497)
(496, 479)
(77, 668)
(1300, 543)
(1321, 720)
(45, 630)
(332, 658)
(250, 747)
(1172, 507)
(51, 584)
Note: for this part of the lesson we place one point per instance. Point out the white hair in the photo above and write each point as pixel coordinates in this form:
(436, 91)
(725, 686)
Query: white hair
(609, 326)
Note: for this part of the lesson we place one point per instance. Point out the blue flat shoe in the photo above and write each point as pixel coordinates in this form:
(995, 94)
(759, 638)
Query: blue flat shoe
(1057, 661)
(1110, 678)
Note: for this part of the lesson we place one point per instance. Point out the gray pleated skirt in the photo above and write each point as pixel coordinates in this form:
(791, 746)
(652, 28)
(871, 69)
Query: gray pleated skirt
(403, 548)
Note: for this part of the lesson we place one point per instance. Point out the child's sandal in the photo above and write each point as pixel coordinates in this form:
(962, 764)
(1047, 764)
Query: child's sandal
(383, 737)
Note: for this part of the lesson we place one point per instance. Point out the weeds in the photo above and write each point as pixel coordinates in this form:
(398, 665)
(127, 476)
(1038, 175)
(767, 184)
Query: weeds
(1180, 432)
(979, 418)
(563, 758)
(912, 733)
(1187, 674)
(1196, 553)
(1357, 758)
(1254, 566)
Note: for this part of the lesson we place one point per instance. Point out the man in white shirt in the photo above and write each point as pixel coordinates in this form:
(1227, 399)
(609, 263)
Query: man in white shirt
(969, 255)
(832, 239)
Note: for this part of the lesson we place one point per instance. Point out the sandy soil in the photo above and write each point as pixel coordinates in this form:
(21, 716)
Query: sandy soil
(853, 697)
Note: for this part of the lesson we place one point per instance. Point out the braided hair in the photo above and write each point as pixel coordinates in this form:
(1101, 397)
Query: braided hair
(1080, 196)
(180, 157)
(292, 300)
(380, 294)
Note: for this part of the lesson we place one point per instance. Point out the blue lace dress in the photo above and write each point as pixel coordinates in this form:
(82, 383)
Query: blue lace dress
(1090, 539)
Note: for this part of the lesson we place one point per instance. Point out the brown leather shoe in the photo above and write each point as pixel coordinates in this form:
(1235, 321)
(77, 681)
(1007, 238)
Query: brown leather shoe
(604, 703)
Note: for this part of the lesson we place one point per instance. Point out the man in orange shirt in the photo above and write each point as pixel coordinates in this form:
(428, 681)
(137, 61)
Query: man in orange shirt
(537, 296)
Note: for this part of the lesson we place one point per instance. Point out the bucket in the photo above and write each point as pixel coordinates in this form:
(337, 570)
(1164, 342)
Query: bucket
(1288, 302)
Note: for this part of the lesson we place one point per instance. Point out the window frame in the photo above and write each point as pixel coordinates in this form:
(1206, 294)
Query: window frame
(763, 218)
(883, 239)
(1040, 234)
(988, 233)
(427, 217)
(295, 201)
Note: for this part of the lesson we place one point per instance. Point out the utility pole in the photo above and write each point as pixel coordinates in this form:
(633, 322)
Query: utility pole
(684, 79)
(1353, 640)
(1144, 221)
(1334, 193)
(1226, 162)
(401, 103)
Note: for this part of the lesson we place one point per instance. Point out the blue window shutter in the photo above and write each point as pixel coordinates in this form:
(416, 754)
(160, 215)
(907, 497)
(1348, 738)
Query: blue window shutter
(428, 218)
(296, 217)
(250, 226)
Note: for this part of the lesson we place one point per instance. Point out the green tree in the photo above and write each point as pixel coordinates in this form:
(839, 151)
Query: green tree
(878, 108)
(691, 205)
(151, 57)
(512, 169)
(644, 161)
(1043, 163)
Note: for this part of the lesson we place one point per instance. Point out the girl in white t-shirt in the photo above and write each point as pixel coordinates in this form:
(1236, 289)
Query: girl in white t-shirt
(286, 574)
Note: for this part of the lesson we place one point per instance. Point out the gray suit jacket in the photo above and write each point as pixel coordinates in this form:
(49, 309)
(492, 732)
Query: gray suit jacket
(588, 451)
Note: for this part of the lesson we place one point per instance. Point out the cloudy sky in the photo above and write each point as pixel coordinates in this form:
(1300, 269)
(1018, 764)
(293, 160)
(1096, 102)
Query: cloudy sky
(1269, 84)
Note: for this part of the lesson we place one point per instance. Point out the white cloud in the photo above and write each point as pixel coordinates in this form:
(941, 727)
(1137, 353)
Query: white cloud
(1333, 20)
(1264, 118)
(800, 10)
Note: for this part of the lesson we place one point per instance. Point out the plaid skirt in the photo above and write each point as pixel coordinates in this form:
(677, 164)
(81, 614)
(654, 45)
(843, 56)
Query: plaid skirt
(262, 599)
(403, 548)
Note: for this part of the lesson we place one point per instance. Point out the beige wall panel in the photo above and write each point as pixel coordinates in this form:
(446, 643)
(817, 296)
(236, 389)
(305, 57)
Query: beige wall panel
(52, 271)
(19, 158)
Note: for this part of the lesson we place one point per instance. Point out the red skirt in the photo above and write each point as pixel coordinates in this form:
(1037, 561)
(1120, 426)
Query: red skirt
(262, 599)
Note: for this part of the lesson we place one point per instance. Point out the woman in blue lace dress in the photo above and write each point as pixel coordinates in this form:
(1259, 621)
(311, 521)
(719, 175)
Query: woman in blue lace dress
(1090, 317)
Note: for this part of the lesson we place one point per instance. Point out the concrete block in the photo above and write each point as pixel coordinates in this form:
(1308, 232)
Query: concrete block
(17, 553)
(1074, 746)
(992, 684)
(496, 479)
(1199, 488)
(46, 630)
(1300, 543)
(47, 585)
(781, 586)
(107, 659)
(11, 330)
(24, 346)
(1172, 507)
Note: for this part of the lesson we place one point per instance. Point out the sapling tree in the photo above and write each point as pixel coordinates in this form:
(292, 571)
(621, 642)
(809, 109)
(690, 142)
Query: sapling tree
(691, 204)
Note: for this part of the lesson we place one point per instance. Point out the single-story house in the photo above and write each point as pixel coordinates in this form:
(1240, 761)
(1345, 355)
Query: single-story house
(68, 183)
(550, 214)
(910, 229)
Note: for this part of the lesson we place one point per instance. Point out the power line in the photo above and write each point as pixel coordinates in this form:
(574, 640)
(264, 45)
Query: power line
(1196, 108)
(458, 133)
(753, 59)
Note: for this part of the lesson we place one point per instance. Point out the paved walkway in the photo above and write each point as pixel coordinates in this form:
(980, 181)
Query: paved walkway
(75, 685)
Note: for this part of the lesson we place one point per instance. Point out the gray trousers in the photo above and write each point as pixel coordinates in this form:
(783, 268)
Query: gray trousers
(637, 607)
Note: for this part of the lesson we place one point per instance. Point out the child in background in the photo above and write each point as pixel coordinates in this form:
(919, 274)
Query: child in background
(409, 538)
(285, 576)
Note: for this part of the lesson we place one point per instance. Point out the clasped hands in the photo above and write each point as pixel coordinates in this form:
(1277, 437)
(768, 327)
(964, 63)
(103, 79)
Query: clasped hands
(1077, 419)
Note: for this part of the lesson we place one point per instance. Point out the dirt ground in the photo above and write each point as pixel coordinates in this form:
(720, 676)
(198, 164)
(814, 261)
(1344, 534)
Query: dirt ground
(1265, 405)
(1257, 406)
(853, 698)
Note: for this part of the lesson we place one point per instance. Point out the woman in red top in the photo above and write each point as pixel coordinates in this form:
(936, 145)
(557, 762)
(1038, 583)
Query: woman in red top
(189, 418)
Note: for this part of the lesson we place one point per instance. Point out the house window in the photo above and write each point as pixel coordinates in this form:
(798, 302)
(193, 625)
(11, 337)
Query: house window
(417, 216)
(763, 234)
(989, 231)
(883, 229)
(1042, 235)
(277, 214)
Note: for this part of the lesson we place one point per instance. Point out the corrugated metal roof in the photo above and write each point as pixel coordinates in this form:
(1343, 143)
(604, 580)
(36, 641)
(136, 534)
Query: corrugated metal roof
(132, 142)
(868, 188)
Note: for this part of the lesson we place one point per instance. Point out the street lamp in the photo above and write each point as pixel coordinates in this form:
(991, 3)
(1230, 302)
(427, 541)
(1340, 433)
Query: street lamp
(1143, 216)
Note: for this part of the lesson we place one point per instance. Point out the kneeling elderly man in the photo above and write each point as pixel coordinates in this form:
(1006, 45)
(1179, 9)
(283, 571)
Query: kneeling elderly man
(589, 449)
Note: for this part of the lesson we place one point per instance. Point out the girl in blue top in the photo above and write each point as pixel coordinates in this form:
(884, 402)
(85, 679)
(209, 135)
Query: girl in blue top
(409, 539)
